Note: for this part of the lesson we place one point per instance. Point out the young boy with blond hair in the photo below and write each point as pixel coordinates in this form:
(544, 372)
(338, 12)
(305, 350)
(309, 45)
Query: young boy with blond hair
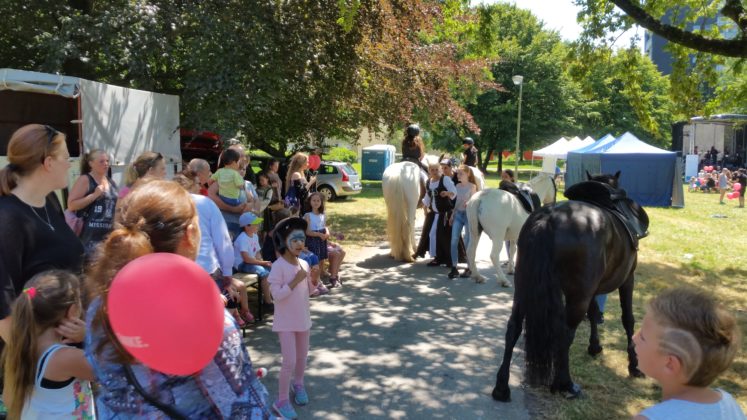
(685, 342)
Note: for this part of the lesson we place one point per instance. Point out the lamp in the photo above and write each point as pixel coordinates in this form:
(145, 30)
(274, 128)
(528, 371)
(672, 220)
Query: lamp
(518, 80)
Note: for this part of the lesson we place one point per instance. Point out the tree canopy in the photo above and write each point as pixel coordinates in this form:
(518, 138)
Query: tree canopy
(277, 72)
(678, 21)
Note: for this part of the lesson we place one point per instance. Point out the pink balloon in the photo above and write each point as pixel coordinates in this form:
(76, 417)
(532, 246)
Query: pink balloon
(733, 195)
(737, 186)
(166, 311)
(314, 162)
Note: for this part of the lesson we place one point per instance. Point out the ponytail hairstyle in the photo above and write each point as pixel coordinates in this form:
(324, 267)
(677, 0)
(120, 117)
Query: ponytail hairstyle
(85, 163)
(154, 217)
(140, 167)
(295, 165)
(27, 149)
(187, 179)
(44, 304)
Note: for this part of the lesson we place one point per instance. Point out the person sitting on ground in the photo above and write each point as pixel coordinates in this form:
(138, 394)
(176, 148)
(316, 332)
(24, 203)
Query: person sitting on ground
(685, 342)
(248, 252)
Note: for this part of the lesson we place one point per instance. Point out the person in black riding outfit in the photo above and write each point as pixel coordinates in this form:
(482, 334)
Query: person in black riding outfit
(469, 156)
(413, 149)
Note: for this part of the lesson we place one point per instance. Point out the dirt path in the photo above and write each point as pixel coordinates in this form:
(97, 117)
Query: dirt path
(402, 341)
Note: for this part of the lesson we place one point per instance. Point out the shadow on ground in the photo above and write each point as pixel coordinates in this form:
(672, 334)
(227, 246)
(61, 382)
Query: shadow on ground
(402, 341)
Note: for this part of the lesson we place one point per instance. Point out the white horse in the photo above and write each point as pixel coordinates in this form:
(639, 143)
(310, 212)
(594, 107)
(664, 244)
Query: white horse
(501, 215)
(401, 186)
(544, 186)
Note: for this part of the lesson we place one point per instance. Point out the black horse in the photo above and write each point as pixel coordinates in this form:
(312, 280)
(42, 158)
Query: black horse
(568, 253)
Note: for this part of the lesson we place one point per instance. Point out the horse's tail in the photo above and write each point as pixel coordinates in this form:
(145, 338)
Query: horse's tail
(473, 215)
(539, 292)
(399, 223)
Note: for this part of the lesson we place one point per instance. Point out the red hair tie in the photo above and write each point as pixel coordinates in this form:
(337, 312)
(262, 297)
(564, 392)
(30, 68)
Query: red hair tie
(31, 291)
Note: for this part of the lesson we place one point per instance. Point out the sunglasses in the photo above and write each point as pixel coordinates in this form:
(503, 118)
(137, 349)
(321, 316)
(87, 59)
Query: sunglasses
(51, 134)
(155, 160)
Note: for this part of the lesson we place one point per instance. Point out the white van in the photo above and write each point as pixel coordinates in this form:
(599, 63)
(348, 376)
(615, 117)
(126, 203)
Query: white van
(123, 122)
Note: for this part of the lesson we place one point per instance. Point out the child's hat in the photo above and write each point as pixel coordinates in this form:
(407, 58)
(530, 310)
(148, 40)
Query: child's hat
(249, 218)
(284, 228)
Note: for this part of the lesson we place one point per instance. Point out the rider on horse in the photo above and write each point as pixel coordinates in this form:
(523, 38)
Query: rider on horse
(413, 150)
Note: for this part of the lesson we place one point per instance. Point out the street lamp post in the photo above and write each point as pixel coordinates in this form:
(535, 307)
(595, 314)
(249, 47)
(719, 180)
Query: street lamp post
(518, 80)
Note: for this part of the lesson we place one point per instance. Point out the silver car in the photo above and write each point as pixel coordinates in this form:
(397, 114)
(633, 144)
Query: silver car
(337, 179)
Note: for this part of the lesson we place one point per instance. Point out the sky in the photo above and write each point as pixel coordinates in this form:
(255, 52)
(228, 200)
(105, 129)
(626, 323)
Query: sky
(561, 16)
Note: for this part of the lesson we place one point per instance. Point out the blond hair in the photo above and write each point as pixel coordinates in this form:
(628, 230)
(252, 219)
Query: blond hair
(698, 331)
(295, 165)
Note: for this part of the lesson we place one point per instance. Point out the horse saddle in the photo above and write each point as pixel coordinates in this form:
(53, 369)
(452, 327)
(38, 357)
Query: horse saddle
(528, 199)
(627, 211)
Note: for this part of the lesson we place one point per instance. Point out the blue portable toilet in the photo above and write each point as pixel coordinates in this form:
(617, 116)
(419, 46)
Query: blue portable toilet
(375, 159)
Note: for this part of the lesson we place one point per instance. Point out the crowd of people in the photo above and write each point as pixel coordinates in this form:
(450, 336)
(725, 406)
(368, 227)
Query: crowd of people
(63, 359)
(57, 267)
(714, 180)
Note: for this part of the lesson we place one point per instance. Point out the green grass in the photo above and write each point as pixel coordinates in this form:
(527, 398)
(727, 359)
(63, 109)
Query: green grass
(686, 246)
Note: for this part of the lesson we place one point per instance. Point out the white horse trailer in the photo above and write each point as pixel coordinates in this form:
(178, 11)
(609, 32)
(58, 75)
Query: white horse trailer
(124, 122)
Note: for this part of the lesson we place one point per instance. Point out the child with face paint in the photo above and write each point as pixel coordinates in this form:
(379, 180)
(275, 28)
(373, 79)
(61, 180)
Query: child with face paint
(290, 285)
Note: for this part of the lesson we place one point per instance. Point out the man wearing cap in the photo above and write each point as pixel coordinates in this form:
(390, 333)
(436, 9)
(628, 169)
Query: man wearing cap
(469, 156)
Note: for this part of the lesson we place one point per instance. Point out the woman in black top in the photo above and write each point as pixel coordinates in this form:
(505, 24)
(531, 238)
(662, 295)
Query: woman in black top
(33, 234)
(94, 198)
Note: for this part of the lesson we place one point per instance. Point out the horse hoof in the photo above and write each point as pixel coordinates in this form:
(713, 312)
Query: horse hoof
(502, 395)
(569, 392)
(635, 373)
(594, 350)
(479, 280)
(505, 283)
(573, 393)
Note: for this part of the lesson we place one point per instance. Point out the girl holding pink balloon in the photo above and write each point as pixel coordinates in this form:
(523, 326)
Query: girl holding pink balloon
(45, 377)
(159, 339)
(290, 285)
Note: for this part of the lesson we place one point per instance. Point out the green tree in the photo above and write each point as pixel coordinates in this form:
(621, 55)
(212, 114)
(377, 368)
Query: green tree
(517, 43)
(277, 72)
(601, 17)
(622, 91)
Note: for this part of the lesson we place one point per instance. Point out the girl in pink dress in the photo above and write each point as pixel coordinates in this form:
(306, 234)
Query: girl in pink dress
(290, 286)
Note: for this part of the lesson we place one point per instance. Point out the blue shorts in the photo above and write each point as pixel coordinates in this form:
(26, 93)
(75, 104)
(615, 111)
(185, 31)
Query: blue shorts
(310, 258)
(259, 270)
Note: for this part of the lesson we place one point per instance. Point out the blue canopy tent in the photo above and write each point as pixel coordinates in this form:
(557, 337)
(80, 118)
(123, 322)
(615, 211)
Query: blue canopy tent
(647, 172)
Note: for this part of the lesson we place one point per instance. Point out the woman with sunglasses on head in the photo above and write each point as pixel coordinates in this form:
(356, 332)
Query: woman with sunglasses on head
(33, 234)
(94, 198)
(148, 164)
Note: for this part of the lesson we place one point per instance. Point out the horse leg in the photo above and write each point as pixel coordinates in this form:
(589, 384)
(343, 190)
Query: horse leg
(628, 320)
(472, 256)
(562, 381)
(501, 391)
(594, 347)
(511, 252)
(495, 257)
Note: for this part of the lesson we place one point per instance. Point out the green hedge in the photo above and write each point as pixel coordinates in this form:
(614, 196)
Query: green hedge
(341, 154)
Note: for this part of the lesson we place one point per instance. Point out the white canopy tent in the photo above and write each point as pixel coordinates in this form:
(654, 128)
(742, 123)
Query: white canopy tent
(559, 150)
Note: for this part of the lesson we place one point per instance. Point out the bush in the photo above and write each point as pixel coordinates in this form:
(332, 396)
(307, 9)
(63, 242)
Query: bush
(341, 154)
